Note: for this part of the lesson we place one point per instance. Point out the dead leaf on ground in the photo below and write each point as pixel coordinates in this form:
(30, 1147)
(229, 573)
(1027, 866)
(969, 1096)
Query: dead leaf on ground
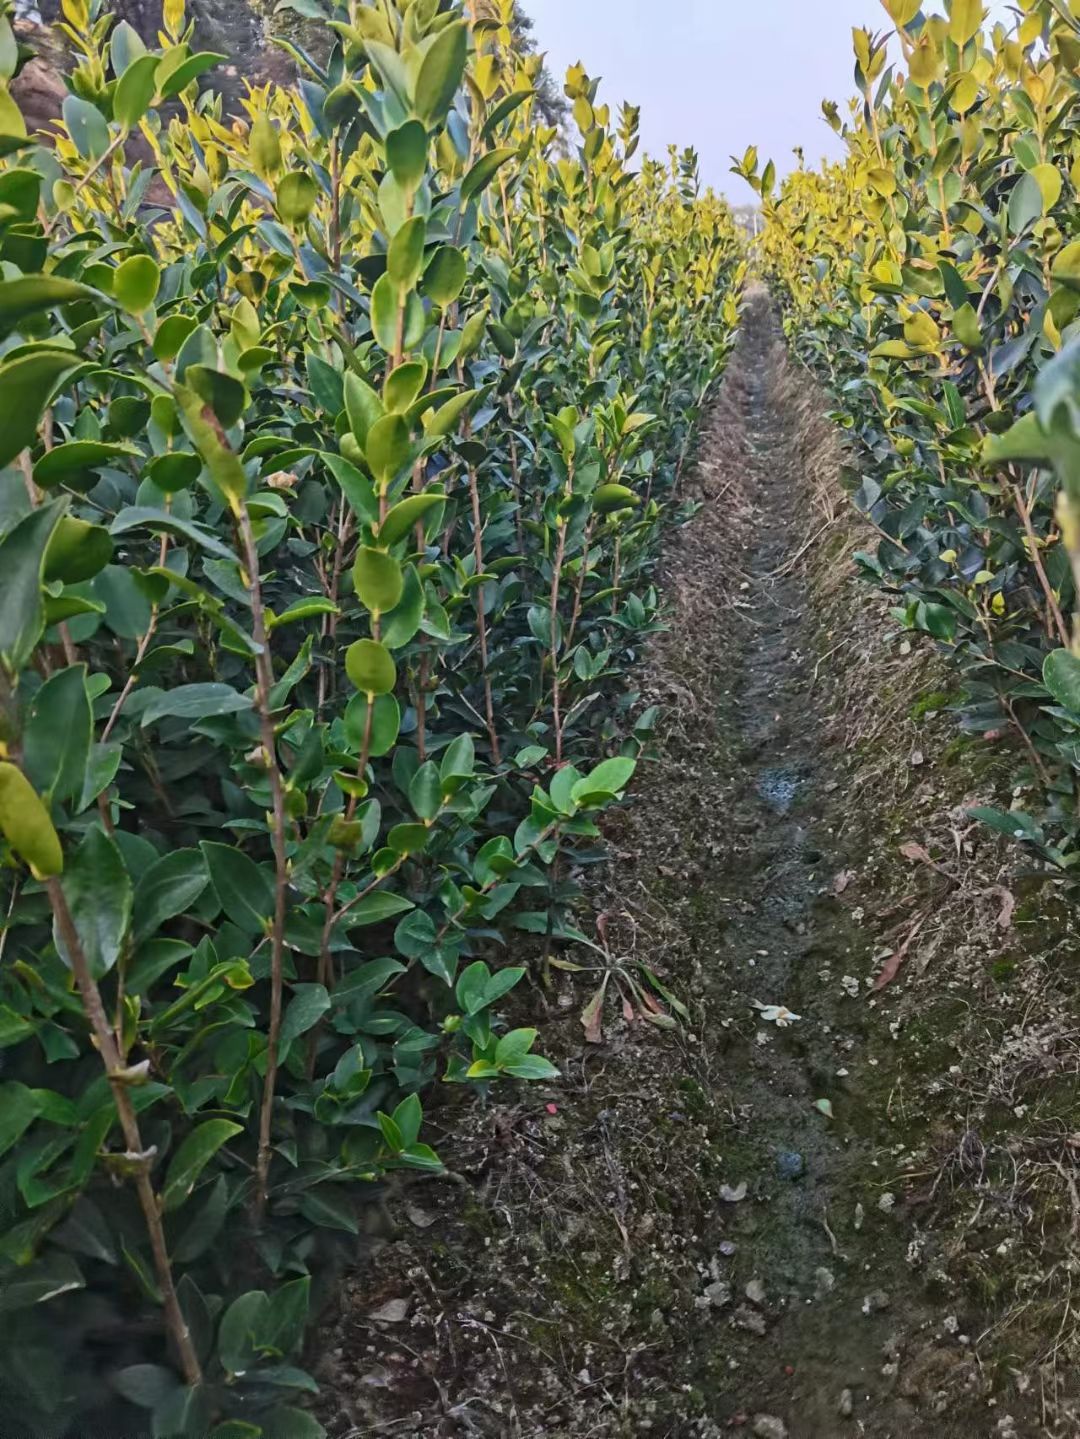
(394, 1311)
(592, 1017)
(895, 961)
(915, 853)
(842, 880)
(733, 1194)
(420, 1217)
(1008, 905)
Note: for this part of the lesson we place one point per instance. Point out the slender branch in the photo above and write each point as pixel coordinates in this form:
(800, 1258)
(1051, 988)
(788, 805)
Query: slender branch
(116, 1073)
(264, 683)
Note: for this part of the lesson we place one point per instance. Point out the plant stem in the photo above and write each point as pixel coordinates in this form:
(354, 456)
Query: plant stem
(129, 1124)
(264, 683)
(556, 576)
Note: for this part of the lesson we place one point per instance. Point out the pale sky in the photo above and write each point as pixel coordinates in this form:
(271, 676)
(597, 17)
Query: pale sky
(718, 74)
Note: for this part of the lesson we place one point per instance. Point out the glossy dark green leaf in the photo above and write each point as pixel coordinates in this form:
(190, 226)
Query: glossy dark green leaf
(27, 384)
(192, 1157)
(167, 888)
(98, 891)
(56, 739)
(22, 564)
(245, 889)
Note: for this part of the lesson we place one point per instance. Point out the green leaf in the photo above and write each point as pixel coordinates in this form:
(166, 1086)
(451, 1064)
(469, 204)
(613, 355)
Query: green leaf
(514, 1045)
(87, 127)
(144, 1385)
(175, 472)
(307, 1006)
(370, 667)
(385, 724)
(376, 908)
(167, 888)
(483, 172)
(441, 72)
(205, 1226)
(27, 385)
(607, 498)
(303, 609)
(608, 779)
(264, 146)
(77, 551)
(176, 77)
(1061, 676)
(378, 579)
(531, 1066)
(98, 891)
(388, 450)
(425, 791)
(75, 461)
(286, 1423)
(295, 198)
(189, 1161)
(1025, 204)
(1023, 442)
(238, 1347)
(28, 829)
(198, 701)
(283, 1328)
(1066, 266)
(444, 278)
(404, 384)
(30, 294)
(385, 311)
(403, 621)
(406, 154)
(223, 464)
(363, 407)
(39, 1282)
(135, 90)
(404, 515)
(459, 760)
(136, 516)
(56, 740)
(245, 889)
(405, 257)
(136, 283)
(19, 1107)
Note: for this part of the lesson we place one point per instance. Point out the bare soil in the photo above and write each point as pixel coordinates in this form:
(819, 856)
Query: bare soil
(860, 1221)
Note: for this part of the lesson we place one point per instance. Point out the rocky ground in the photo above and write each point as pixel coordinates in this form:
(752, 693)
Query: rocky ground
(842, 1197)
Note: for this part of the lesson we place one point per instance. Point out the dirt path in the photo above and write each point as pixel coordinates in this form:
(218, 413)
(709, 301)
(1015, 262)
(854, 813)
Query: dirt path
(745, 1226)
(817, 1247)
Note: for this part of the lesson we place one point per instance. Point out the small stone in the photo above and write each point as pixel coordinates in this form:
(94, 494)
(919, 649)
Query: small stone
(790, 1165)
(718, 1294)
(755, 1292)
(876, 1303)
(847, 1405)
(750, 1320)
(767, 1426)
(824, 1282)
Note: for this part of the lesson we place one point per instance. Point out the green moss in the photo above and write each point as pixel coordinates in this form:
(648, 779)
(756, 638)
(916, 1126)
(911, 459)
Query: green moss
(931, 703)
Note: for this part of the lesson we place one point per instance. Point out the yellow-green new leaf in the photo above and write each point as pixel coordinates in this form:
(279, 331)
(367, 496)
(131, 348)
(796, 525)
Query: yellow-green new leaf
(26, 824)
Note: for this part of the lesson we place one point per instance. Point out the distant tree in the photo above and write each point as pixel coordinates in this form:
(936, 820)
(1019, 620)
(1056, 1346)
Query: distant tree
(550, 100)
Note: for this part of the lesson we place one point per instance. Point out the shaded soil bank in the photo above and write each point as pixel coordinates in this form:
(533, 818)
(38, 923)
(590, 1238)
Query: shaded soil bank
(860, 1220)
